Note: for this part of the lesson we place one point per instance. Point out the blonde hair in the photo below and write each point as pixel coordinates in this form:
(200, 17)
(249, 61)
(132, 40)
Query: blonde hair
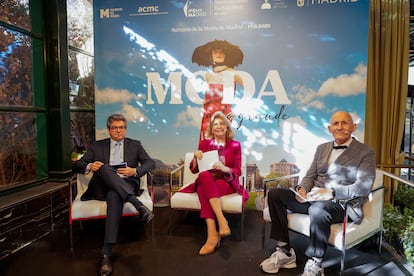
(230, 133)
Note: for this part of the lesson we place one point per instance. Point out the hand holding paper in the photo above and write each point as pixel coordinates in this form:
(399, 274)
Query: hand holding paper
(208, 160)
(318, 193)
(301, 198)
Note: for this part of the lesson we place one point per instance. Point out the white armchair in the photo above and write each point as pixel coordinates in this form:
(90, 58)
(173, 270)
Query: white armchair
(346, 236)
(96, 209)
(232, 203)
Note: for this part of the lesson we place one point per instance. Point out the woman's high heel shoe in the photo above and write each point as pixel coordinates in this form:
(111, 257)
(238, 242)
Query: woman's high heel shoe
(225, 231)
(208, 249)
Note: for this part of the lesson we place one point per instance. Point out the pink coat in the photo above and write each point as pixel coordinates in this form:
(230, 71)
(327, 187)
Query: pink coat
(232, 153)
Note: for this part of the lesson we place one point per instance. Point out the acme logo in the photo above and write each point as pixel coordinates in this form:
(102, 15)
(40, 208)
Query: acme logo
(149, 9)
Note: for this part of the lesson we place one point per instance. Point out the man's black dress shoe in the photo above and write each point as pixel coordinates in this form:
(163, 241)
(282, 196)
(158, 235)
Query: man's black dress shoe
(106, 267)
(145, 214)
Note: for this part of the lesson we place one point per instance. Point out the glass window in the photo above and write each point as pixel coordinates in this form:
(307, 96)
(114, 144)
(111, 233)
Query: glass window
(81, 74)
(16, 12)
(15, 68)
(18, 148)
(81, 80)
(23, 129)
(83, 132)
(80, 24)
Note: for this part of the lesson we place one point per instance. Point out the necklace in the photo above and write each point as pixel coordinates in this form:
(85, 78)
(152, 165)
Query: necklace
(218, 143)
(221, 68)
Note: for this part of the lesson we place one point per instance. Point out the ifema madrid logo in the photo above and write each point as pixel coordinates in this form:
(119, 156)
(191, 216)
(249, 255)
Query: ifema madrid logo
(302, 3)
(191, 11)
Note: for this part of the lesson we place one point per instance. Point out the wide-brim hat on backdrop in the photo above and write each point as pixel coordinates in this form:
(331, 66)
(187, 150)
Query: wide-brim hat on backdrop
(202, 54)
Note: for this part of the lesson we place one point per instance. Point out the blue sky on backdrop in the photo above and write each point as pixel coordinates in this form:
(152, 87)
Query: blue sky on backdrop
(318, 50)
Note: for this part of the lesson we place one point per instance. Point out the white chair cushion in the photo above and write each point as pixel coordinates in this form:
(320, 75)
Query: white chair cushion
(97, 208)
(229, 203)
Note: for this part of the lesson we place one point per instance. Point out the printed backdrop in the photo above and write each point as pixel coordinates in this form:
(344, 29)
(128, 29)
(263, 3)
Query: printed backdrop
(301, 61)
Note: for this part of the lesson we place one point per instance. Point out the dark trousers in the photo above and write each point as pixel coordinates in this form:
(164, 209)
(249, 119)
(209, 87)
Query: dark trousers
(321, 213)
(116, 190)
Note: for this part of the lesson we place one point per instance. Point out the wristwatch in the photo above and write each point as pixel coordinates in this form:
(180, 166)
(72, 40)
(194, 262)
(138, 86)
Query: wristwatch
(136, 172)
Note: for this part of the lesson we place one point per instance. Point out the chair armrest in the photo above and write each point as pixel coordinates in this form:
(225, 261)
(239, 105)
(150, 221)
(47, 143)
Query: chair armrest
(150, 179)
(349, 201)
(179, 170)
(73, 188)
(266, 188)
(284, 177)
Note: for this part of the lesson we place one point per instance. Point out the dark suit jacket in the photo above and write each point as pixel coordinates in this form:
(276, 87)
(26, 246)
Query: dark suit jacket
(350, 175)
(134, 154)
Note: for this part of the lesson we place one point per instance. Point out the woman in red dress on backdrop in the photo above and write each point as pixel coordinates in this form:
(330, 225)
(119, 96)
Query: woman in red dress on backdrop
(223, 57)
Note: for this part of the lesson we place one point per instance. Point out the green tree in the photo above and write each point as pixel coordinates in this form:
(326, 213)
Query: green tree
(277, 183)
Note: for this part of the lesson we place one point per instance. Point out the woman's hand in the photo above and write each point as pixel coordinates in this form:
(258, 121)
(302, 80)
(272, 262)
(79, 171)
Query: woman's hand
(220, 166)
(198, 154)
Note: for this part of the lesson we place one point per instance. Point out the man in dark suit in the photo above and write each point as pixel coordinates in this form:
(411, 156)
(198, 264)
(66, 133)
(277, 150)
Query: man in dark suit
(117, 164)
(342, 169)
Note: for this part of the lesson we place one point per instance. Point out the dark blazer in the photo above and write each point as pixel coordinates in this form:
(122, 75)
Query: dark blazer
(134, 154)
(350, 175)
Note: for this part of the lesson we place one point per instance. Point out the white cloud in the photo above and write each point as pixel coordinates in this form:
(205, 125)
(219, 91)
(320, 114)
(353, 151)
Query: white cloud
(133, 114)
(101, 134)
(345, 85)
(341, 86)
(191, 116)
(110, 96)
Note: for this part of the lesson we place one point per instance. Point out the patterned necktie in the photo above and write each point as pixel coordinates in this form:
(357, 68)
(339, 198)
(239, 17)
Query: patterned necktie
(117, 154)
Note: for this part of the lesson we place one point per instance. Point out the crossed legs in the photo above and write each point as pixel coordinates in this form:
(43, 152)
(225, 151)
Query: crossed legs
(209, 191)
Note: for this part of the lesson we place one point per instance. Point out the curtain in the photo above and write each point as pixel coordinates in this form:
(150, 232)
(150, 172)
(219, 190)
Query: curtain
(387, 81)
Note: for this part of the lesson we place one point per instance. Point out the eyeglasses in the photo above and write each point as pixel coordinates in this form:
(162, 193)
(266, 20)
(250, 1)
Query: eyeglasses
(117, 128)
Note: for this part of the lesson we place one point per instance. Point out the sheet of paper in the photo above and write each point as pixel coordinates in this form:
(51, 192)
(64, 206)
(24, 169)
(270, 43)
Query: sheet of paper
(209, 158)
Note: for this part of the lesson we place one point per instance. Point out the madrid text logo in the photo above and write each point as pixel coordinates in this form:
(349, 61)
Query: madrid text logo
(110, 13)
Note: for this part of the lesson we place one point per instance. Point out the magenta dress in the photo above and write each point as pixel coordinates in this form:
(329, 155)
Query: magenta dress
(214, 183)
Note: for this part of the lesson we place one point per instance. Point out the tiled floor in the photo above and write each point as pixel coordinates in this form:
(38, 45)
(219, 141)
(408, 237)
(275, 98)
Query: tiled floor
(177, 253)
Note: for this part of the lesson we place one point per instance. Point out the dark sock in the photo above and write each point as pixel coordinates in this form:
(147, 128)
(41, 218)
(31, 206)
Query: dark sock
(145, 213)
(318, 260)
(130, 198)
(286, 249)
(107, 249)
(134, 201)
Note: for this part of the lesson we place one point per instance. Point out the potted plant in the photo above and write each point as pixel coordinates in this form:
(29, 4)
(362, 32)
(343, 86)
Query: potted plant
(408, 237)
(399, 223)
(394, 224)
